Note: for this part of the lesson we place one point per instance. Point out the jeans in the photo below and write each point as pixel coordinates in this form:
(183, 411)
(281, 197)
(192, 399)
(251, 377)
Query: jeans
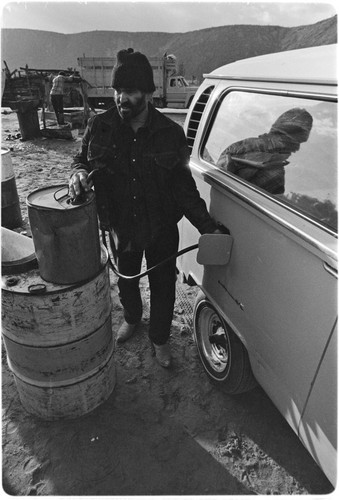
(57, 101)
(161, 281)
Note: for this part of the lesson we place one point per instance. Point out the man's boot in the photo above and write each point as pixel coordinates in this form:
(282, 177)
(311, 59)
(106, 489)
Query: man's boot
(163, 355)
(125, 331)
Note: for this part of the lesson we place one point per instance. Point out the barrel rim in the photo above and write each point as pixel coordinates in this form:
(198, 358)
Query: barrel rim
(33, 345)
(19, 265)
(63, 287)
(59, 384)
(30, 204)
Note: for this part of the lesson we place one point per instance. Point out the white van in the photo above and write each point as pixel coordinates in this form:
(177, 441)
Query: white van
(263, 140)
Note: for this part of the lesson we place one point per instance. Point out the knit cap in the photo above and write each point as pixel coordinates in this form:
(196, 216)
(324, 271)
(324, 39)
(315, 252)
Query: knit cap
(132, 71)
(296, 123)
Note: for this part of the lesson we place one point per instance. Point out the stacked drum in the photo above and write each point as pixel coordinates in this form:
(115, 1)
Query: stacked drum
(56, 321)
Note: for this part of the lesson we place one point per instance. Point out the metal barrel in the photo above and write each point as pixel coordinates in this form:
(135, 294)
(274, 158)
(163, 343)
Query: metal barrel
(65, 236)
(10, 207)
(27, 113)
(59, 342)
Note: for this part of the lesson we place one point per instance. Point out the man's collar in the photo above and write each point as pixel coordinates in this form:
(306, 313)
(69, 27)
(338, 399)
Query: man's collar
(156, 119)
(141, 120)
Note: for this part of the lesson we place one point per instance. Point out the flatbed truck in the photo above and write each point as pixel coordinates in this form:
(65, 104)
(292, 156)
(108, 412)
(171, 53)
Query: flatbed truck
(172, 90)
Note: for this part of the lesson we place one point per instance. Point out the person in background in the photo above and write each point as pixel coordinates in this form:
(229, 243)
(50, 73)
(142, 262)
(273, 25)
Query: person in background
(57, 95)
(143, 187)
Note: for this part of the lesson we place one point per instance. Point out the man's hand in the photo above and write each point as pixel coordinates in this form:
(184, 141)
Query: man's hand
(78, 183)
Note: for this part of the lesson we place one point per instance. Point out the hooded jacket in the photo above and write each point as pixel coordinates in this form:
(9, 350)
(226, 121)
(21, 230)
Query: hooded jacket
(268, 152)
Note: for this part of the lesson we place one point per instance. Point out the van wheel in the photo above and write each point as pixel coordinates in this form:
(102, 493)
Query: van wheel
(224, 357)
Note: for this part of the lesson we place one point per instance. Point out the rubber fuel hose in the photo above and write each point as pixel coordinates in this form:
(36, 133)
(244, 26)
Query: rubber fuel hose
(147, 271)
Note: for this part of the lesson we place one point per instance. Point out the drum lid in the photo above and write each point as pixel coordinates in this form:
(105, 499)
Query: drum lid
(55, 198)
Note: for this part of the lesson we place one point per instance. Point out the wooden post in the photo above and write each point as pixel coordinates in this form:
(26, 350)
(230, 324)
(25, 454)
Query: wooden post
(83, 91)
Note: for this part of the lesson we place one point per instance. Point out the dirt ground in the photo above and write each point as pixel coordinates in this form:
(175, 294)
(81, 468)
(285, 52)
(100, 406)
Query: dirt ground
(161, 432)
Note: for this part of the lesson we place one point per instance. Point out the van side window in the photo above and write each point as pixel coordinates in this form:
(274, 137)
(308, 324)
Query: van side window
(285, 146)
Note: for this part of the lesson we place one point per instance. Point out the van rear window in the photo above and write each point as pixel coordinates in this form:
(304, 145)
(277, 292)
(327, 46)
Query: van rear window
(285, 146)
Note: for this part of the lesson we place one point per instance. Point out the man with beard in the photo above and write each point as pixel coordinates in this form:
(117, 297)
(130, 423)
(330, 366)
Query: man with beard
(143, 187)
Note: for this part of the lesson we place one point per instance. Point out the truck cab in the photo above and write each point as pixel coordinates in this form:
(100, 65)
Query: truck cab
(179, 93)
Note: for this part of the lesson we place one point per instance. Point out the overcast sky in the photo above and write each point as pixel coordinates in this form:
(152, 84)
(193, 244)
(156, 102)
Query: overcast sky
(179, 16)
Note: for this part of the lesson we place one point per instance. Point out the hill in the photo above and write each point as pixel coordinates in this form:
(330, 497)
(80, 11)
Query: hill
(198, 51)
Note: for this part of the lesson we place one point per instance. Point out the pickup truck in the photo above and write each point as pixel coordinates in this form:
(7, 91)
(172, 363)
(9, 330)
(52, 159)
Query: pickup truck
(172, 90)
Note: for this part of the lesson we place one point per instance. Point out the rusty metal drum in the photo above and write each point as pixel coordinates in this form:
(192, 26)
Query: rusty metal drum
(59, 342)
(65, 236)
(10, 206)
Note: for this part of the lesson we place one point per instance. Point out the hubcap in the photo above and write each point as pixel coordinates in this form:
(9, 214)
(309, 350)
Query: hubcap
(214, 340)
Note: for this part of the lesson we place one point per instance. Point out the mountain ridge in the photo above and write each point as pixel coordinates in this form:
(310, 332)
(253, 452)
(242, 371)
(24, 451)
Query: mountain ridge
(197, 52)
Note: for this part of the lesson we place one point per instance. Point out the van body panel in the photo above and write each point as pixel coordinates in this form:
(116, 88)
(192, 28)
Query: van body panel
(302, 65)
(317, 430)
(278, 291)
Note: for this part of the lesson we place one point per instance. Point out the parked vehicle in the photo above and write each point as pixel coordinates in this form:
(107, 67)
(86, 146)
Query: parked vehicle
(172, 90)
(263, 140)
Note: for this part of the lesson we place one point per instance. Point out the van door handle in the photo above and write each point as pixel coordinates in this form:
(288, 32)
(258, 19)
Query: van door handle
(330, 269)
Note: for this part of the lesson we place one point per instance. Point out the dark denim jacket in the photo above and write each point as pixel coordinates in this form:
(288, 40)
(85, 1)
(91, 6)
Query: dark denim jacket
(169, 188)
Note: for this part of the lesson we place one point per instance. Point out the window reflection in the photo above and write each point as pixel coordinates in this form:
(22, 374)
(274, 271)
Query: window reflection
(261, 160)
(293, 159)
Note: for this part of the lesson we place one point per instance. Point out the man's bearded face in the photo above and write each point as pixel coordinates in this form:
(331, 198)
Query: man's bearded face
(130, 102)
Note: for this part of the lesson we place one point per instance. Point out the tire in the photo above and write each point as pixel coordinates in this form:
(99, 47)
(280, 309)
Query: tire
(223, 355)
